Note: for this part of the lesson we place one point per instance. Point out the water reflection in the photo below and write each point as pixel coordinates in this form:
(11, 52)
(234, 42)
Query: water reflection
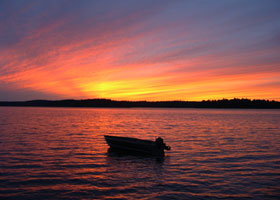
(138, 172)
(60, 153)
(113, 153)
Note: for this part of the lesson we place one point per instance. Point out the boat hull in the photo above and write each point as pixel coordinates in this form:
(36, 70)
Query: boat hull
(133, 146)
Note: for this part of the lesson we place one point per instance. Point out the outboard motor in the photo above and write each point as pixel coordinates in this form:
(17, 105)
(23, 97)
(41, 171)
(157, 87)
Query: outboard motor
(160, 144)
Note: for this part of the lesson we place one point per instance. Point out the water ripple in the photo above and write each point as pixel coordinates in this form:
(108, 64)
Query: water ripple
(60, 153)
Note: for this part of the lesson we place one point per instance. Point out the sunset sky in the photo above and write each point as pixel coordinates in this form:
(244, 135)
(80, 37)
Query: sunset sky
(139, 50)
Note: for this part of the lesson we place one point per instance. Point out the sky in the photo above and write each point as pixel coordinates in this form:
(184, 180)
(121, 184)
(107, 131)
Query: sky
(139, 50)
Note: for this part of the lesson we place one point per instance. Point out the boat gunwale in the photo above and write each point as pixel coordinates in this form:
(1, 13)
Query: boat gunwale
(129, 139)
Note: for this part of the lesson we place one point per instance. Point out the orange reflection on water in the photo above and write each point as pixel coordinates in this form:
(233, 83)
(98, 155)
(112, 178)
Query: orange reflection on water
(62, 151)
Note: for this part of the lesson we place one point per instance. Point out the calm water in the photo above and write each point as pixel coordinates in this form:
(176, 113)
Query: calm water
(60, 153)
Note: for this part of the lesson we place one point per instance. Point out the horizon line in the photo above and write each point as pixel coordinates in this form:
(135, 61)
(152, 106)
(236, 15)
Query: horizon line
(108, 99)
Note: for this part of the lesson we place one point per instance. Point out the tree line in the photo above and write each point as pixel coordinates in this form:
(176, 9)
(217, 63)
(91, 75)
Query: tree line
(223, 103)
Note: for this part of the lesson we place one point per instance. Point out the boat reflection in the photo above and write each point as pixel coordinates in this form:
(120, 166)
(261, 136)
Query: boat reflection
(115, 153)
(132, 169)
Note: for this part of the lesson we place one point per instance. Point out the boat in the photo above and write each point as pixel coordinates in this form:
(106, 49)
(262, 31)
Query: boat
(133, 145)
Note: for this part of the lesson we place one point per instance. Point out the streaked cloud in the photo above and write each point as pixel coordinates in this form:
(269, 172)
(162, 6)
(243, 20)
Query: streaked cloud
(139, 50)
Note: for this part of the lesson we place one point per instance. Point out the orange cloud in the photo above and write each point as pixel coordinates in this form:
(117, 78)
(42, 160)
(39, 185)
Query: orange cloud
(143, 55)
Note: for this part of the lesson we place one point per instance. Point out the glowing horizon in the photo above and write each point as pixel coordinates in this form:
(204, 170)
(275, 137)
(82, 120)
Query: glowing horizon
(132, 50)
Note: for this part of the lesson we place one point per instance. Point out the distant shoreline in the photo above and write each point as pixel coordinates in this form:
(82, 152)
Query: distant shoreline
(107, 103)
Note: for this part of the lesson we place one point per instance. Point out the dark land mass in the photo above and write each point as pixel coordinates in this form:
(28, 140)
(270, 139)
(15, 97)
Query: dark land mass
(107, 103)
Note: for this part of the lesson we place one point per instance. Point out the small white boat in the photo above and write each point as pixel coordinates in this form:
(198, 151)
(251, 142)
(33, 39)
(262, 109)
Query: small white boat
(133, 145)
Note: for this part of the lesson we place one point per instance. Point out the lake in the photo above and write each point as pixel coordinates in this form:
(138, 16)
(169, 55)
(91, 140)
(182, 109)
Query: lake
(60, 153)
